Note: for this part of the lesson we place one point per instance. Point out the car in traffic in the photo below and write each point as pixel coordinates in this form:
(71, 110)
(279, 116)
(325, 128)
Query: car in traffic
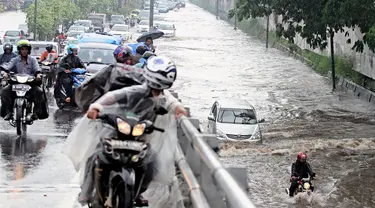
(77, 28)
(96, 56)
(144, 14)
(73, 35)
(2, 49)
(163, 8)
(143, 26)
(120, 30)
(38, 47)
(168, 29)
(87, 24)
(234, 120)
(24, 28)
(117, 19)
(13, 36)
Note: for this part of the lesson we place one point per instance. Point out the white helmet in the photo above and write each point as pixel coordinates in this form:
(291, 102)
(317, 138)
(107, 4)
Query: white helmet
(160, 72)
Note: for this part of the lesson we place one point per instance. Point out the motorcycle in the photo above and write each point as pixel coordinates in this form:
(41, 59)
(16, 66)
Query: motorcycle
(21, 85)
(123, 149)
(49, 70)
(304, 186)
(78, 76)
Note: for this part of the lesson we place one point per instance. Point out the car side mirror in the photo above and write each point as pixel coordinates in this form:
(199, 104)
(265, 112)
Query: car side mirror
(210, 118)
(261, 120)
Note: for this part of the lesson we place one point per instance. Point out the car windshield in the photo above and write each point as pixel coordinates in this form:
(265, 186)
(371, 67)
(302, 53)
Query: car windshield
(104, 56)
(120, 28)
(117, 18)
(165, 27)
(74, 34)
(38, 49)
(237, 116)
(76, 28)
(12, 33)
(83, 23)
(135, 12)
(144, 23)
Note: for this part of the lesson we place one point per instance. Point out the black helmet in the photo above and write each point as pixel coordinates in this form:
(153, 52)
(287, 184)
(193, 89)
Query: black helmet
(8, 46)
(49, 47)
(141, 49)
(148, 54)
(23, 43)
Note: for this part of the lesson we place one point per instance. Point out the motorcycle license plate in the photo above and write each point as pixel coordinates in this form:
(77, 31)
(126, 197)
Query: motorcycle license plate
(80, 76)
(127, 145)
(20, 87)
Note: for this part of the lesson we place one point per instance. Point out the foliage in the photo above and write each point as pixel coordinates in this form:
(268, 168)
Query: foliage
(50, 14)
(315, 20)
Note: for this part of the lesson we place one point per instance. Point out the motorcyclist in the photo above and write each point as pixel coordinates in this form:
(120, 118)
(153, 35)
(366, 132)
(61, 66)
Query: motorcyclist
(149, 44)
(140, 50)
(300, 169)
(8, 53)
(24, 64)
(70, 61)
(49, 49)
(61, 36)
(111, 78)
(145, 57)
(160, 74)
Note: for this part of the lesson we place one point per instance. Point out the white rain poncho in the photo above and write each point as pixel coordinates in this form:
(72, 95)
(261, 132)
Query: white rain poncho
(82, 141)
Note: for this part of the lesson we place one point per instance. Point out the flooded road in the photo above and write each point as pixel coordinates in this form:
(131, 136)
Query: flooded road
(214, 61)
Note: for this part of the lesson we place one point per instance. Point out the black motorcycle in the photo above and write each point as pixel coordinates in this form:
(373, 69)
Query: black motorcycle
(123, 150)
(48, 67)
(21, 85)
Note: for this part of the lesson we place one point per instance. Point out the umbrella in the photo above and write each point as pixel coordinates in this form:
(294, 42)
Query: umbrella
(154, 35)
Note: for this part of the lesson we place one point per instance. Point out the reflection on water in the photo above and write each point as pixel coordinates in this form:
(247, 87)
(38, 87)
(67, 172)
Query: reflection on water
(20, 155)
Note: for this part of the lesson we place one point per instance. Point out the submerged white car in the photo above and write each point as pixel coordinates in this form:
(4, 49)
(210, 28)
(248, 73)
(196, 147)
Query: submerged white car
(143, 26)
(168, 29)
(234, 120)
(120, 30)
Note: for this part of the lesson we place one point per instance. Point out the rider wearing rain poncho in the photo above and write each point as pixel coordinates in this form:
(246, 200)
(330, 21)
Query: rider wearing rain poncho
(160, 73)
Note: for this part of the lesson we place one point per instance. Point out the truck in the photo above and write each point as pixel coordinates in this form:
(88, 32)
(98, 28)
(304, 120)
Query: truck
(98, 21)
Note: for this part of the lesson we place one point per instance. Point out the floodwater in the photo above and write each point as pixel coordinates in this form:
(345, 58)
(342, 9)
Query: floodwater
(214, 61)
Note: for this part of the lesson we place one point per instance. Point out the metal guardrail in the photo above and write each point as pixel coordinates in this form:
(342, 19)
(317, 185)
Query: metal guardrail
(210, 183)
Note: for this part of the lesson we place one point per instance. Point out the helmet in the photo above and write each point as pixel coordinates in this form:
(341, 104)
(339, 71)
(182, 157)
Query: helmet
(160, 72)
(121, 53)
(301, 157)
(141, 49)
(49, 47)
(148, 54)
(23, 43)
(8, 46)
(71, 47)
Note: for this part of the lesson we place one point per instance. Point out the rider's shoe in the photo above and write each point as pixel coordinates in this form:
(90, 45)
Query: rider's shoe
(140, 201)
(8, 116)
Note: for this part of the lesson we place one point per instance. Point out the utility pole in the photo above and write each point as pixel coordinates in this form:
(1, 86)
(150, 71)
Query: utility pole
(35, 13)
(235, 14)
(267, 30)
(332, 34)
(217, 9)
(151, 20)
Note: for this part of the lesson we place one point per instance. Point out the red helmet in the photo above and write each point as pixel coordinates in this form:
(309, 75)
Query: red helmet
(302, 157)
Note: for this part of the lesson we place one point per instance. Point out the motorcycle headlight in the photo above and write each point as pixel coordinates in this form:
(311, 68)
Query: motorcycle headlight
(22, 79)
(123, 127)
(138, 129)
(306, 186)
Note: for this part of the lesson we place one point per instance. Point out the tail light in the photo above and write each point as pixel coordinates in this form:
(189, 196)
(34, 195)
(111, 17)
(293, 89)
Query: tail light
(20, 35)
